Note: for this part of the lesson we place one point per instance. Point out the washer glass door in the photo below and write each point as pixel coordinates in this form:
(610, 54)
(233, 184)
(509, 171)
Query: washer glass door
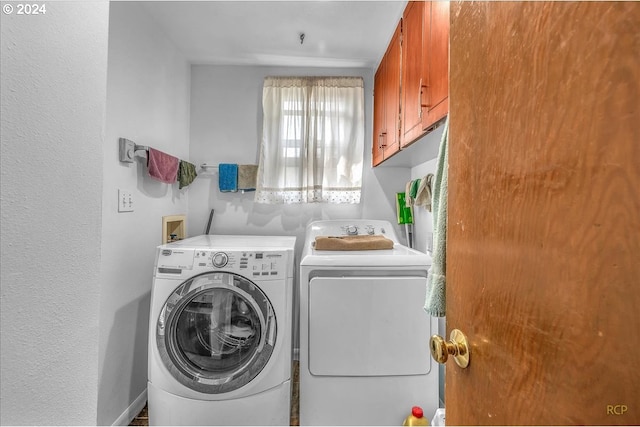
(216, 332)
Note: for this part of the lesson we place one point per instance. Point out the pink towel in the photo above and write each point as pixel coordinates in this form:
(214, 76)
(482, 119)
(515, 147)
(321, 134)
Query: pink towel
(162, 166)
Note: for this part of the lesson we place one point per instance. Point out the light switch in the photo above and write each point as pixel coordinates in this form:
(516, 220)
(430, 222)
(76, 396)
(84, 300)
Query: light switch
(125, 200)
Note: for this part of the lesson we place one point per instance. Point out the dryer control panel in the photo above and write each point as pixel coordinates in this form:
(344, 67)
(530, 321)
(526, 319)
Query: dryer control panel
(354, 230)
(350, 227)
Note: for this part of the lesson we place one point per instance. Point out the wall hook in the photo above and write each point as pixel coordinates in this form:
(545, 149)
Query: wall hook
(301, 38)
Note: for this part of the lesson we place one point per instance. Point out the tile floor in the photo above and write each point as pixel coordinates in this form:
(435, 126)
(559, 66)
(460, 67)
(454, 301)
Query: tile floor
(142, 419)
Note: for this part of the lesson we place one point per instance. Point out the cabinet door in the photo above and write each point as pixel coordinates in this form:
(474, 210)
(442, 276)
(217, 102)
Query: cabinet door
(386, 102)
(436, 62)
(392, 95)
(377, 152)
(412, 79)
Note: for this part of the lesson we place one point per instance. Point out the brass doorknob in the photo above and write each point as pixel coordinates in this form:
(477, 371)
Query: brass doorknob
(456, 346)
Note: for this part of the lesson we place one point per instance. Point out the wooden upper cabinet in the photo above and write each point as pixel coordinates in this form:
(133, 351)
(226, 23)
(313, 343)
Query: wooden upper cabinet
(435, 63)
(386, 103)
(411, 87)
(413, 80)
(379, 124)
(392, 95)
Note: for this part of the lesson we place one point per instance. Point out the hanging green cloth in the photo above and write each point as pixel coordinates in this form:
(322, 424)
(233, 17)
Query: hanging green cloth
(186, 173)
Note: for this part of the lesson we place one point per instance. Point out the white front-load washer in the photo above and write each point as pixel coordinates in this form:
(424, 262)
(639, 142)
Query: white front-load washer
(364, 333)
(220, 331)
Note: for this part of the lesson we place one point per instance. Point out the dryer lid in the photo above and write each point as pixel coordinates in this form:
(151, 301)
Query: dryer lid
(340, 227)
(399, 256)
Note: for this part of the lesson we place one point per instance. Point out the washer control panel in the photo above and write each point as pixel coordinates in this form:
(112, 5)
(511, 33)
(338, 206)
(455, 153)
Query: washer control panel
(252, 264)
(219, 259)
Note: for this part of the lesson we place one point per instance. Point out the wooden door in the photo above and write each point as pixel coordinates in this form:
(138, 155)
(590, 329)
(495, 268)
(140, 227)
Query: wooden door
(412, 51)
(436, 63)
(543, 255)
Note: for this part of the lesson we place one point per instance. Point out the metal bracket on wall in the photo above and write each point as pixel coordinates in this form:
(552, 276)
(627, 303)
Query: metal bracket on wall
(127, 150)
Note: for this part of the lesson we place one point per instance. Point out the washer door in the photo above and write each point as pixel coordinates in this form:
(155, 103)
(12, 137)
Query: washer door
(216, 332)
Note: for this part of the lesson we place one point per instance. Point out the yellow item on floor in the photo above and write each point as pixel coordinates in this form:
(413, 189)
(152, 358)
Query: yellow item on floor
(416, 418)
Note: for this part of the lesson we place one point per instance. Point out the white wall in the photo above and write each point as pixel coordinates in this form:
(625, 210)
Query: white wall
(423, 220)
(226, 124)
(147, 102)
(53, 105)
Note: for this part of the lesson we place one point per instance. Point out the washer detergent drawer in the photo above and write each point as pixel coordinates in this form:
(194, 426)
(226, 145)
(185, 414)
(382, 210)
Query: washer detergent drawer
(368, 326)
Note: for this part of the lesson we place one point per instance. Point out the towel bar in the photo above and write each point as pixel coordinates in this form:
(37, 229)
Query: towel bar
(128, 149)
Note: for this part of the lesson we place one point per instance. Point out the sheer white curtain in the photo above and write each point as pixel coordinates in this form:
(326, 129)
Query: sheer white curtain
(313, 140)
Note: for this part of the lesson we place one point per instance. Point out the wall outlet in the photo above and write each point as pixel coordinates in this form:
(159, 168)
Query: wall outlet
(125, 200)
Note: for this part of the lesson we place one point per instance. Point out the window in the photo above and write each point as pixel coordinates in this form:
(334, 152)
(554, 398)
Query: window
(313, 140)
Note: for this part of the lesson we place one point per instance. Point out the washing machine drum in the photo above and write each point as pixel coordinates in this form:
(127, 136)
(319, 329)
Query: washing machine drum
(216, 332)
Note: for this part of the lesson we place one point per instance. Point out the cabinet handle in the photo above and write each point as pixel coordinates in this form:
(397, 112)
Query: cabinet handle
(381, 137)
(420, 99)
(424, 88)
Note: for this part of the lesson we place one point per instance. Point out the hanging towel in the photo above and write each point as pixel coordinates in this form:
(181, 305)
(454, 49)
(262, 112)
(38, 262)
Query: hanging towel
(408, 201)
(186, 173)
(228, 177)
(435, 302)
(415, 184)
(161, 166)
(423, 198)
(247, 177)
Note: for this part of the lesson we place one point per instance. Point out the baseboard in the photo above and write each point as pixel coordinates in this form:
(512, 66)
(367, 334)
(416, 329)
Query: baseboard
(133, 410)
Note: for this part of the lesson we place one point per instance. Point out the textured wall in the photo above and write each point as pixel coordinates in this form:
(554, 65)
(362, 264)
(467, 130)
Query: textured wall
(53, 104)
(148, 102)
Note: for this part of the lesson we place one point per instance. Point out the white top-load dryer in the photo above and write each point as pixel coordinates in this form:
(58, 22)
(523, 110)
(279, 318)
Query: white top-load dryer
(364, 333)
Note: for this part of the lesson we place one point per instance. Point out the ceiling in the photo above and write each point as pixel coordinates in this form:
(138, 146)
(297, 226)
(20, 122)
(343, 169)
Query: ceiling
(337, 33)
